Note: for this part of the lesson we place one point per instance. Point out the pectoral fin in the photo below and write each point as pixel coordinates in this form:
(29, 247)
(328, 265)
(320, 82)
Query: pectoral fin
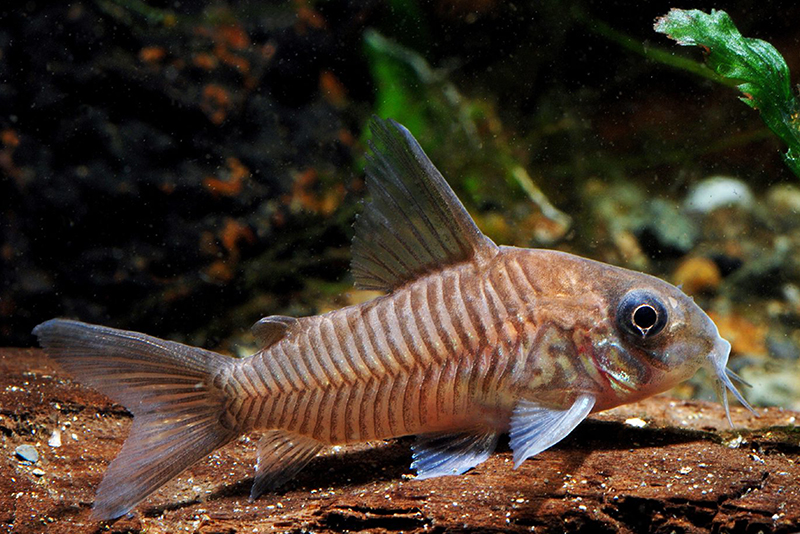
(441, 454)
(281, 455)
(535, 428)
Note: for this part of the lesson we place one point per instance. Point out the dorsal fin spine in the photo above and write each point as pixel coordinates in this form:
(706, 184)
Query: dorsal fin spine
(414, 223)
(399, 208)
(409, 194)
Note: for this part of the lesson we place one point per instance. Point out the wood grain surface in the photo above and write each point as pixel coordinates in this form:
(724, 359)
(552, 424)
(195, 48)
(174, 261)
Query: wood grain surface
(685, 470)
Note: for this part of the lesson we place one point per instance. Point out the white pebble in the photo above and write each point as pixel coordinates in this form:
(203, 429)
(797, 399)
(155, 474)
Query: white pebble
(55, 439)
(718, 192)
(636, 422)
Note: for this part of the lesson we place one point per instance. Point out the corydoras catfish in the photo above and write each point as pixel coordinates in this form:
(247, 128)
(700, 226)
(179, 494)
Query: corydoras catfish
(471, 340)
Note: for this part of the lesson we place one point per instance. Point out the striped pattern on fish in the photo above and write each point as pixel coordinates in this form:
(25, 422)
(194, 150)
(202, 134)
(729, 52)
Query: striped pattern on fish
(444, 348)
(471, 340)
(333, 375)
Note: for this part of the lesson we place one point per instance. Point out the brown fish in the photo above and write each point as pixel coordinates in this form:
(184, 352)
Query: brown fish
(472, 340)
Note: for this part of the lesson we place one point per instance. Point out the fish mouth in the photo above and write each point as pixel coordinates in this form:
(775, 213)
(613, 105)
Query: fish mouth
(718, 358)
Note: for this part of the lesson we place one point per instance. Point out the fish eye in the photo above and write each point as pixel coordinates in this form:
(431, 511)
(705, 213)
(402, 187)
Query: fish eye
(642, 314)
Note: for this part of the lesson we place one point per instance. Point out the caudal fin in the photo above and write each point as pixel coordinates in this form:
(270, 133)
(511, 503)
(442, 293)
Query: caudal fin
(170, 389)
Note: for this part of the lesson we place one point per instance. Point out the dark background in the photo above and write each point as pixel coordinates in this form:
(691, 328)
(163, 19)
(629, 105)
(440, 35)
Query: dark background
(184, 168)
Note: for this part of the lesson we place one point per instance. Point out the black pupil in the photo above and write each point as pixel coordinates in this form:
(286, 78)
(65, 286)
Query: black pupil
(641, 314)
(644, 317)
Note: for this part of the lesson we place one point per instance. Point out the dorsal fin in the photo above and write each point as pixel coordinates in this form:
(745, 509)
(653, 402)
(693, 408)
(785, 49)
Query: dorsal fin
(269, 330)
(414, 222)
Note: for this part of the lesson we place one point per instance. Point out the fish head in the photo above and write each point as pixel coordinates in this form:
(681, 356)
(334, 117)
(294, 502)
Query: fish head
(669, 336)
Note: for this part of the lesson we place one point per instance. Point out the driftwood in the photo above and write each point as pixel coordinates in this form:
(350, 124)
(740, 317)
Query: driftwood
(662, 465)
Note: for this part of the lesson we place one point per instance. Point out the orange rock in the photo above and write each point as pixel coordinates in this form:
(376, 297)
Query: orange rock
(233, 35)
(216, 94)
(9, 141)
(697, 275)
(216, 101)
(302, 196)
(226, 188)
(152, 54)
(744, 336)
(332, 89)
(205, 61)
(307, 17)
(237, 169)
(345, 137)
(219, 271)
(331, 200)
(9, 138)
(232, 233)
(231, 186)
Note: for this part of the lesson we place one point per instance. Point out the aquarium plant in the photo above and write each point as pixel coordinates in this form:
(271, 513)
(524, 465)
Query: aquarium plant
(755, 66)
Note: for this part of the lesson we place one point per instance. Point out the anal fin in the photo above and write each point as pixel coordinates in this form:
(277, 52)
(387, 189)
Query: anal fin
(535, 428)
(443, 454)
(281, 455)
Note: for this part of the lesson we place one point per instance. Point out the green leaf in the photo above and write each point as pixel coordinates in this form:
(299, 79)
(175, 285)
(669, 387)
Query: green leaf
(758, 69)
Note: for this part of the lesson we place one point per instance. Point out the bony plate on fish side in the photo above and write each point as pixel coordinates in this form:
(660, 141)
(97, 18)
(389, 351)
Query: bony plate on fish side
(472, 340)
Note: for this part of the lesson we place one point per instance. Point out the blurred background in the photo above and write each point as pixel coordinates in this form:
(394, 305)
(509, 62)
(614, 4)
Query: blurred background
(185, 168)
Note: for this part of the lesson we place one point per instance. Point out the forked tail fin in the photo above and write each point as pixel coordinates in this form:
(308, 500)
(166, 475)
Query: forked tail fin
(170, 389)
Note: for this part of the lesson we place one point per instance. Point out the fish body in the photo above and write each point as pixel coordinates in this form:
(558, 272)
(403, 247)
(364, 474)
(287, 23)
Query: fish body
(454, 349)
(472, 340)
